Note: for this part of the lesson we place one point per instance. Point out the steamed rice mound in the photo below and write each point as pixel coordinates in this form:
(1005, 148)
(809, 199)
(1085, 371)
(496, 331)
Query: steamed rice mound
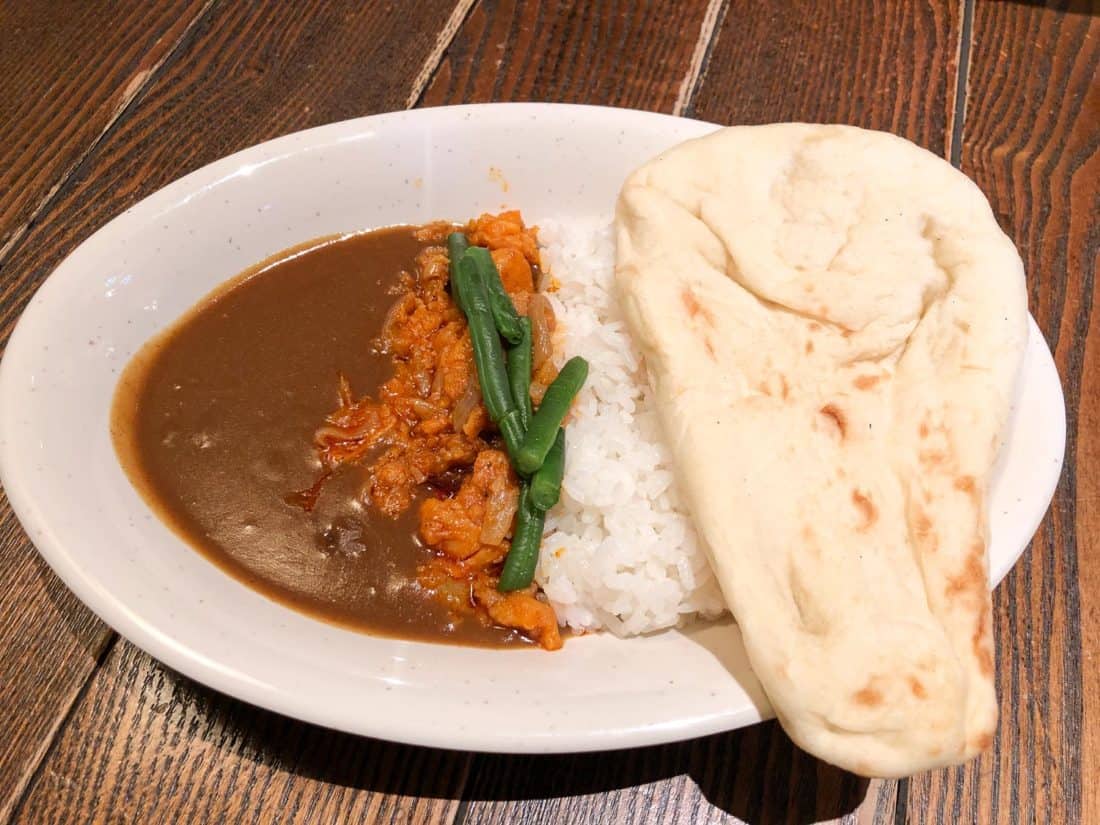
(619, 552)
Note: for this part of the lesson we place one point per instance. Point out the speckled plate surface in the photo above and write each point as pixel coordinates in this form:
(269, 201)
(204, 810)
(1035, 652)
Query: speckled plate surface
(146, 267)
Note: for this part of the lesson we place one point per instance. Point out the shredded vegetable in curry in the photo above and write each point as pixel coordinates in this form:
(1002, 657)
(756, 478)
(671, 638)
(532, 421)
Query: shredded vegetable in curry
(428, 426)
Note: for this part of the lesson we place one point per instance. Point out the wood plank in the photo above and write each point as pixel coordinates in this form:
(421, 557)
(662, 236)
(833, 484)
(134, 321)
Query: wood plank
(245, 74)
(57, 57)
(49, 644)
(148, 745)
(888, 65)
(1031, 139)
(61, 58)
(251, 74)
(609, 52)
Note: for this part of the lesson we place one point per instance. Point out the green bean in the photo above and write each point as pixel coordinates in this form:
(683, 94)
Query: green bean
(512, 429)
(523, 555)
(546, 482)
(504, 311)
(551, 412)
(519, 372)
(488, 353)
(456, 245)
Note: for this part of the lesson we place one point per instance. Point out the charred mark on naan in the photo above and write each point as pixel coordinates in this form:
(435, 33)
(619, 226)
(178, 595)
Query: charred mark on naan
(869, 695)
(982, 643)
(967, 484)
(866, 382)
(775, 385)
(916, 686)
(972, 578)
(833, 412)
(982, 741)
(933, 458)
(925, 536)
(694, 308)
(866, 507)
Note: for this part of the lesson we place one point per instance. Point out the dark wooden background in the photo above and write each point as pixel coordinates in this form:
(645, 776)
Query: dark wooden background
(101, 103)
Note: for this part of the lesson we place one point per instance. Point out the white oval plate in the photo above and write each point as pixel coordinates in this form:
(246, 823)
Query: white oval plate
(146, 267)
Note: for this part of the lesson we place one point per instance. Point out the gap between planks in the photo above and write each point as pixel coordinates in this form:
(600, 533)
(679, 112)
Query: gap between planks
(956, 107)
(712, 19)
(435, 56)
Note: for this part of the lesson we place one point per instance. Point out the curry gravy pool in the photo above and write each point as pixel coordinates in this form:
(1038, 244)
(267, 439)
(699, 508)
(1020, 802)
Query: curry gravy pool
(214, 423)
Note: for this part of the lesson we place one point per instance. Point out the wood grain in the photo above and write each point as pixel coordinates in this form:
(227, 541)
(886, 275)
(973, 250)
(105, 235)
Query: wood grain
(767, 62)
(888, 65)
(150, 746)
(243, 75)
(64, 79)
(610, 52)
(1031, 140)
(49, 645)
(249, 74)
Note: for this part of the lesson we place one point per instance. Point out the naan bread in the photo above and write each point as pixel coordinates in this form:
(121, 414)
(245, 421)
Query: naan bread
(833, 322)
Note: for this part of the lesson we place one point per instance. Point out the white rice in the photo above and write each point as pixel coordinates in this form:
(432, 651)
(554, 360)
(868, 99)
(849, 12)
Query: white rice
(620, 552)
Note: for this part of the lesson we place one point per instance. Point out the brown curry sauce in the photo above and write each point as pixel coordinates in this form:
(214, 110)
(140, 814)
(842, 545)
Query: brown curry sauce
(216, 422)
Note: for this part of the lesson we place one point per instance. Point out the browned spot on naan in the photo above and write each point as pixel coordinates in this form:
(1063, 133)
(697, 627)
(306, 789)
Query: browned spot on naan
(924, 429)
(868, 695)
(710, 347)
(966, 484)
(694, 308)
(814, 326)
(933, 458)
(866, 507)
(982, 642)
(784, 390)
(809, 347)
(982, 741)
(917, 687)
(837, 415)
(927, 540)
(971, 579)
(865, 382)
(985, 659)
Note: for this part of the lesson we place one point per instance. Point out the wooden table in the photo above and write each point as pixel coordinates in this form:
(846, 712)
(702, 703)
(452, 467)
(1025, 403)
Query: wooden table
(103, 103)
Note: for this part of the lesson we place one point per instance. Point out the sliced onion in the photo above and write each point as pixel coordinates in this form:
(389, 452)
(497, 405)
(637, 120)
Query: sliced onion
(437, 383)
(397, 313)
(465, 405)
(423, 409)
(538, 390)
(423, 384)
(500, 509)
(542, 327)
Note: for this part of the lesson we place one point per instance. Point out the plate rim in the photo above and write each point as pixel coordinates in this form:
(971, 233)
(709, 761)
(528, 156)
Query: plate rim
(191, 662)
